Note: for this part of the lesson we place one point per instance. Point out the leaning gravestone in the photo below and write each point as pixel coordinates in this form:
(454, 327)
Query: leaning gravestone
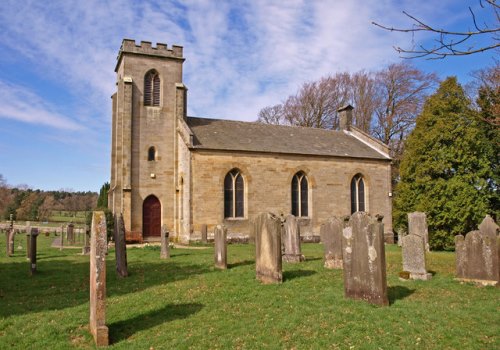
(165, 246)
(120, 246)
(477, 255)
(417, 225)
(331, 236)
(291, 240)
(267, 230)
(414, 257)
(98, 242)
(33, 236)
(220, 251)
(204, 230)
(363, 255)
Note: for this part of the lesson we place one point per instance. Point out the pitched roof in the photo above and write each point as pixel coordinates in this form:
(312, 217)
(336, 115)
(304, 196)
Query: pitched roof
(217, 134)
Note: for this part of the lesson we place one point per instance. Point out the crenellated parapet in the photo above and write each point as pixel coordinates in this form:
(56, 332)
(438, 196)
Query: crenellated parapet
(147, 49)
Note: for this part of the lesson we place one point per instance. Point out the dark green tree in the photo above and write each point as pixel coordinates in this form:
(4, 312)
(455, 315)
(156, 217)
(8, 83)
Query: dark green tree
(102, 200)
(447, 167)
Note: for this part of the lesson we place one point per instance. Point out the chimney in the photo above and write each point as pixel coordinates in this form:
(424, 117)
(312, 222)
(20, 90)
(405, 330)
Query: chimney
(345, 117)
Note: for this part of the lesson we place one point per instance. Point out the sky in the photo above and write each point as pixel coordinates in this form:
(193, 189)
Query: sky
(57, 62)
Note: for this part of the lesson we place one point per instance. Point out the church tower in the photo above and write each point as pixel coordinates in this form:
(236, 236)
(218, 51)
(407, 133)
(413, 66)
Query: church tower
(146, 108)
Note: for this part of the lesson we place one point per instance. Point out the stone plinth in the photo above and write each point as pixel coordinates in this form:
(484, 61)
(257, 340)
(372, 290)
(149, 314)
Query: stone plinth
(291, 240)
(331, 237)
(414, 257)
(363, 255)
(220, 249)
(120, 246)
(267, 230)
(98, 244)
(165, 247)
(417, 225)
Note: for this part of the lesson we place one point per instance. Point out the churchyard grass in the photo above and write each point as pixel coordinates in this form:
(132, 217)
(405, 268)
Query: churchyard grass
(184, 302)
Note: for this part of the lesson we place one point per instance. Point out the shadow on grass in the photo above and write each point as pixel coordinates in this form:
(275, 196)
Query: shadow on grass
(240, 263)
(398, 292)
(290, 275)
(122, 330)
(313, 259)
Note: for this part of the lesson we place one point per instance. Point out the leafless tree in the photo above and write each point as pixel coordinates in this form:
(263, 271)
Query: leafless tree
(272, 115)
(449, 42)
(363, 95)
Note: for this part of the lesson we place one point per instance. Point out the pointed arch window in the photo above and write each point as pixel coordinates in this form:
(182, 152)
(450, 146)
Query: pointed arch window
(300, 195)
(152, 89)
(234, 192)
(357, 194)
(151, 154)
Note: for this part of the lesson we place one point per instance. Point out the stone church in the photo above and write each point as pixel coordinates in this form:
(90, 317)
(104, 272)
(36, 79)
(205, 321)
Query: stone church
(184, 172)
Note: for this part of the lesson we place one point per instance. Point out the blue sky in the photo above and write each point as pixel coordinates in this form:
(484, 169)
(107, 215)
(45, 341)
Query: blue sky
(57, 63)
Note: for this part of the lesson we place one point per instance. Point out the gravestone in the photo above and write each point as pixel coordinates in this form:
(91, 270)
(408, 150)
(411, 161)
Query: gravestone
(267, 232)
(165, 245)
(62, 238)
(331, 236)
(86, 241)
(477, 255)
(363, 256)
(204, 238)
(417, 225)
(401, 234)
(12, 234)
(33, 236)
(220, 249)
(291, 240)
(28, 242)
(120, 246)
(70, 234)
(414, 257)
(98, 242)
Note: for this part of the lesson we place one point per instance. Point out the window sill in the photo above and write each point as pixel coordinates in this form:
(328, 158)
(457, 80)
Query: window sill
(235, 219)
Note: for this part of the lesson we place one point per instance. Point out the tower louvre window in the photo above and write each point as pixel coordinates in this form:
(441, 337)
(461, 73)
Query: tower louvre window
(152, 89)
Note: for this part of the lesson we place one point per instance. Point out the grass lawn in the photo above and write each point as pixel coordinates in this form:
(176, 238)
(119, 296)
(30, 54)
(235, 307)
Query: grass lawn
(184, 303)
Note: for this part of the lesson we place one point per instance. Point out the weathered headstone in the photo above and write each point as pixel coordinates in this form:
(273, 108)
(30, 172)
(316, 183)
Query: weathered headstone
(291, 240)
(204, 230)
(98, 242)
(28, 242)
(401, 234)
(267, 230)
(165, 245)
(70, 233)
(414, 257)
(33, 236)
(220, 249)
(86, 241)
(477, 255)
(363, 255)
(331, 236)
(12, 234)
(62, 238)
(120, 246)
(417, 225)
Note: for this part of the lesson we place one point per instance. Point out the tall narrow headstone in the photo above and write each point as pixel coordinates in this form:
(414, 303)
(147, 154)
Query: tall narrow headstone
(62, 238)
(33, 236)
(331, 236)
(414, 257)
(98, 242)
(70, 233)
(12, 234)
(401, 234)
(291, 240)
(28, 242)
(477, 255)
(204, 230)
(120, 246)
(267, 229)
(417, 225)
(220, 249)
(86, 241)
(165, 245)
(363, 255)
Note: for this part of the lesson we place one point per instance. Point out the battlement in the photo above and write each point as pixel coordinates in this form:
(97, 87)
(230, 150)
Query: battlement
(146, 48)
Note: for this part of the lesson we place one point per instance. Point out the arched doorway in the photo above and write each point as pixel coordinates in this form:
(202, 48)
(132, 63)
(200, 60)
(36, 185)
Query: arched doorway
(151, 217)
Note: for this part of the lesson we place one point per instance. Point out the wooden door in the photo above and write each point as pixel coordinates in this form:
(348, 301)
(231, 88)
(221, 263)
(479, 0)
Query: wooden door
(151, 217)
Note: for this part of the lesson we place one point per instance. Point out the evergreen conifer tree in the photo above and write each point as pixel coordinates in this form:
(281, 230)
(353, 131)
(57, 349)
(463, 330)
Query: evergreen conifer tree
(447, 169)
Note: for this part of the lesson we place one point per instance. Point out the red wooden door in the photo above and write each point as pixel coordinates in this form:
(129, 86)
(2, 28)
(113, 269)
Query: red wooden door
(151, 217)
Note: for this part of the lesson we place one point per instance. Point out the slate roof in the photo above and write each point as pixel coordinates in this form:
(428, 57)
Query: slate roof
(218, 134)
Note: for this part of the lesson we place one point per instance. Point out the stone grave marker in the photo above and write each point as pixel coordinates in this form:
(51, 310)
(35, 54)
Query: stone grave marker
(417, 225)
(401, 234)
(165, 245)
(291, 240)
(98, 242)
(33, 237)
(363, 256)
(204, 231)
(62, 238)
(28, 242)
(86, 241)
(331, 236)
(477, 255)
(120, 246)
(413, 253)
(70, 234)
(267, 232)
(12, 234)
(220, 249)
